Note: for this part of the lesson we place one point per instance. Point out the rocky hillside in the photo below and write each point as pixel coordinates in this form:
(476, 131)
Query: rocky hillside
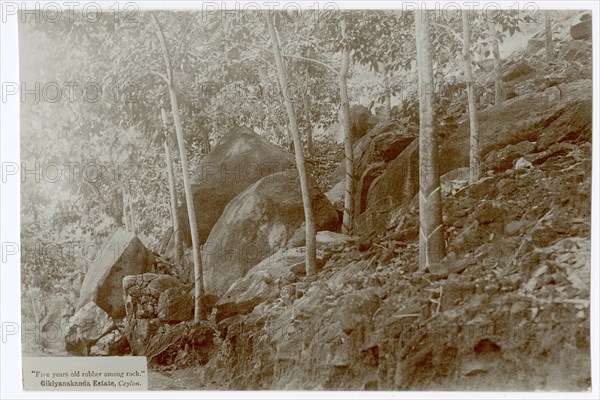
(507, 309)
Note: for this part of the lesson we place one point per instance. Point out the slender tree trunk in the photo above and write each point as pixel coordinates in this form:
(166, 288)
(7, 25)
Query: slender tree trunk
(344, 121)
(33, 306)
(173, 196)
(309, 134)
(198, 279)
(206, 140)
(474, 137)
(387, 105)
(431, 237)
(131, 210)
(311, 248)
(499, 96)
(306, 104)
(549, 46)
(125, 218)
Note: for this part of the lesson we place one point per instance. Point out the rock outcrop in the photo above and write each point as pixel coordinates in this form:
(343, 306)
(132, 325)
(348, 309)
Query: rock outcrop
(86, 327)
(163, 297)
(507, 132)
(256, 224)
(122, 254)
(239, 159)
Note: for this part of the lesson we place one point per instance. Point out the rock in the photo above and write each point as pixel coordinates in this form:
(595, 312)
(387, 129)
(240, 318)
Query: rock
(531, 284)
(152, 296)
(581, 27)
(259, 284)
(519, 69)
(356, 308)
(239, 159)
(328, 237)
(364, 184)
(474, 366)
(571, 123)
(396, 186)
(535, 44)
(438, 271)
(522, 119)
(88, 325)
(361, 121)
(175, 305)
(488, 213)
(502, 159)
(123, 254)
(523, 163)
(518, 308)
(576, 50)
(139, 332)
(298, 239)
(113, 343)
(336, 196)
(515, 227)
(383, 143)
(256, 224)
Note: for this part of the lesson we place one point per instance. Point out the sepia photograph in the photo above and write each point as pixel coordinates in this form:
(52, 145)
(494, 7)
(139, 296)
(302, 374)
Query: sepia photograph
(304, 197)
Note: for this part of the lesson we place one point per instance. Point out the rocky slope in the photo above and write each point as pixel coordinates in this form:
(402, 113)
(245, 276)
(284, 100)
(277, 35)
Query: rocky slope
(507, 309)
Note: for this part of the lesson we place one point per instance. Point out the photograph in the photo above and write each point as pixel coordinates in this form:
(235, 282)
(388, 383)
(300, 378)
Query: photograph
(305, 197)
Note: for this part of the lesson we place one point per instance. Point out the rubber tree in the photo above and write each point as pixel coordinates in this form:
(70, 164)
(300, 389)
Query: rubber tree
(343, 114)
(306, 106)
(387, 110)
(198, 279)
(549, 45)
(431, 236)
(172, 193)
(311, 240)
(498, 95)
(473, 125)
(348, 217)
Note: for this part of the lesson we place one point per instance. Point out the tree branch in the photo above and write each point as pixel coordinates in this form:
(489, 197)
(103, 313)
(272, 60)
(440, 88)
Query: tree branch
(163, 76)
(250, 45)
(177, 53)
(163, 43)
(456, 35)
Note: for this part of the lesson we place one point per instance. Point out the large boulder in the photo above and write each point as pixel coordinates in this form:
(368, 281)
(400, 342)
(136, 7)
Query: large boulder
(86, 327)
(239, 159)
(581, 27)
(396, 186)
(361, 121)
(257, 223)
(383, 142)
(123, 254)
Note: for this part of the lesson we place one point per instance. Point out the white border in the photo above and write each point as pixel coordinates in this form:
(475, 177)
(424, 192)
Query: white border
(10, 352)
